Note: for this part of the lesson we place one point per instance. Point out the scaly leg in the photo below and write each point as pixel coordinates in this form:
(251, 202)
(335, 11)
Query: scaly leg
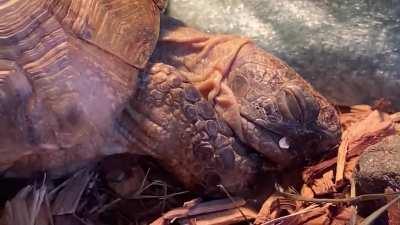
(172, 122)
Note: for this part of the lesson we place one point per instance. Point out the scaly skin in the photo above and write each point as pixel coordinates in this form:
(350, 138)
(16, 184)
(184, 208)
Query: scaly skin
(170, 121)
(204, 80)
(258, 95)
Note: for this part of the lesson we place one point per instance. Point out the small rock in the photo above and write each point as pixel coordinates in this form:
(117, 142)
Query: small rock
(379, 166)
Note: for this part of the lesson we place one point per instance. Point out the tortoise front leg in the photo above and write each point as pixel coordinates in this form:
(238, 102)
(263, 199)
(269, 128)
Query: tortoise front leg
(173, 123)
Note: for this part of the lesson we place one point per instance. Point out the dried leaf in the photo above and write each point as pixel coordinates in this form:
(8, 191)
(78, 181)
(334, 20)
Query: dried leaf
(28, 207)
(68, 198)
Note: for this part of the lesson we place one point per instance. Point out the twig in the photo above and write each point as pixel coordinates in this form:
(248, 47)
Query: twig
(222, 187)
(351, 200)
(306, 210)
(160, 197)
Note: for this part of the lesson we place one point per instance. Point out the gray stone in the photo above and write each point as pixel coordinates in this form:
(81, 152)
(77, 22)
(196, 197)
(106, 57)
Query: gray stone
(348, 49)
(379, 166)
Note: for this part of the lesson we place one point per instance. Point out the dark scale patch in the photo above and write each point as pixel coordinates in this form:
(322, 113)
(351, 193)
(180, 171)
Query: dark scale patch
(204, 136)
(221, 141)
(240, 149)
(212, 128)
(190, 112)
(192, 94)
(204, 151)
(226, 157)
(205, 109)
(200, 125)
(177, 94)
(224, 128)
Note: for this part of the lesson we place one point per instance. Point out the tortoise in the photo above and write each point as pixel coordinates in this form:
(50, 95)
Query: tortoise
(77, 84)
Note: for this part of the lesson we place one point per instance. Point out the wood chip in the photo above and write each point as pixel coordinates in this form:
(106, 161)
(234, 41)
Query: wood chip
(320, 216)
(325, 184)
(269, 210)
(341, 157)
(356, 113)
(307, 192)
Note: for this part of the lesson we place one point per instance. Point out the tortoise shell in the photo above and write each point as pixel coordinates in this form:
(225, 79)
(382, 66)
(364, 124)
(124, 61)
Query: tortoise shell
(67, 68)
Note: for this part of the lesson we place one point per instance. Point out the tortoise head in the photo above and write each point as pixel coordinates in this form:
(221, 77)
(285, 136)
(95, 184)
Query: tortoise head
(282, 117)
(270, 108)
